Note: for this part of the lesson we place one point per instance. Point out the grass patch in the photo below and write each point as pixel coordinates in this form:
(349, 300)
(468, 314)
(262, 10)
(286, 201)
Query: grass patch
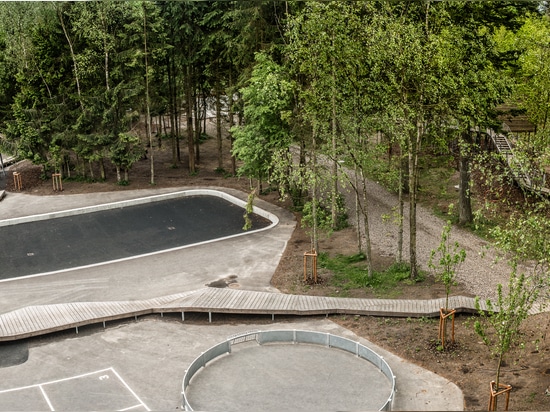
(350, 272)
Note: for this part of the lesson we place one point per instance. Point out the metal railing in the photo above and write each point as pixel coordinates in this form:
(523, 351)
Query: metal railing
(291, 336)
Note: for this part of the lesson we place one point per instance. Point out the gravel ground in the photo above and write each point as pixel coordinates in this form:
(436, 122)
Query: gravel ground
(480, 272)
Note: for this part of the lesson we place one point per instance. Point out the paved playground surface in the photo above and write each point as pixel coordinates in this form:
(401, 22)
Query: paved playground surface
(141, 364)
(145, 362)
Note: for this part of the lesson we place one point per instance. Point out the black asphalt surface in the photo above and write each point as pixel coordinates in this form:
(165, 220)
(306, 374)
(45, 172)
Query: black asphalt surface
(91, 238)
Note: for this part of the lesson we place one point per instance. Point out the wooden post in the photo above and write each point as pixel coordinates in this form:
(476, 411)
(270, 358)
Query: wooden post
(17, 181)
(443, 315)
(313, 255)
(502, 388)
(57, 182)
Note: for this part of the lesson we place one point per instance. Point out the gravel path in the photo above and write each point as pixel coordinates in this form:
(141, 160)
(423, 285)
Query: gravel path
(480, 273)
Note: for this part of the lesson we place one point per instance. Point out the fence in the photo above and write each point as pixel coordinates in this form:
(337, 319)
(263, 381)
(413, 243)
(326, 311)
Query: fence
(291, 336)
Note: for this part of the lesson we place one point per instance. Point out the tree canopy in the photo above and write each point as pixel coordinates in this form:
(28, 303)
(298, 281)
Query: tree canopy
(360, 88)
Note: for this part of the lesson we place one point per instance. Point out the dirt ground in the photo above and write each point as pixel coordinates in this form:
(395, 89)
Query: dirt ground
(468, 363)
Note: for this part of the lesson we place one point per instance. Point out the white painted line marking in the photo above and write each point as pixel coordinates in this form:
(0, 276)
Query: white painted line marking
(77, 376)
(103, 376)
(130, 389)
(46, 397)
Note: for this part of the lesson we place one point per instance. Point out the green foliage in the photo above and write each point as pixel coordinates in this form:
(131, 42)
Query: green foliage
(126, 150)
(532, 40)
(223, 172)
(446, 260)
(499, 326)
(249, 209)
(203, 138)
(350, 273)
(525, 237)
(267, 107)
(324, 215)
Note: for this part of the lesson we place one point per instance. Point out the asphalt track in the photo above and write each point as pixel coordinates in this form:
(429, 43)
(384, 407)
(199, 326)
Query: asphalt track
(91, 238)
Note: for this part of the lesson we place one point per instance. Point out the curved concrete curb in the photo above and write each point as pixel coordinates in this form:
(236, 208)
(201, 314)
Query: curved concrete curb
(139, 201)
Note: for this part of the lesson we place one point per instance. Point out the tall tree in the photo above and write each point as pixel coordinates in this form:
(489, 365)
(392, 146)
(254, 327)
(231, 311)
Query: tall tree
(43, 109)
(111, 34)
(266, 130)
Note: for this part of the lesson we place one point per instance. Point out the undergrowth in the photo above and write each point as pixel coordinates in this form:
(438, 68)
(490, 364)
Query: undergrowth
(349, 272)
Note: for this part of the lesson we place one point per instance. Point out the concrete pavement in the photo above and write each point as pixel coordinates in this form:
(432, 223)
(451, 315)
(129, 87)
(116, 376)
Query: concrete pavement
(151, 355)
(251, 258)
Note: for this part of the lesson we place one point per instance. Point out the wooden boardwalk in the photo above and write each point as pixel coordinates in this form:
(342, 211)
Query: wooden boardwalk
(39, 320)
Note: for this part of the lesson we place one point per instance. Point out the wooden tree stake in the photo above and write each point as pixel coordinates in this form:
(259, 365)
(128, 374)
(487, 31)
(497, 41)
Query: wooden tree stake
(502, 388)
(57, 182)
(313, 255)
(17, 181)
(443, 315)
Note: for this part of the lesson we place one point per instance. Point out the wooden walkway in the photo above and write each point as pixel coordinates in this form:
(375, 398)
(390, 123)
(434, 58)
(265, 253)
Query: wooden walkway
(39, 320)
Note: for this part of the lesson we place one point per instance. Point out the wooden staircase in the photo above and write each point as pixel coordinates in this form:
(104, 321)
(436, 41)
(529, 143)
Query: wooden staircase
(523, 173)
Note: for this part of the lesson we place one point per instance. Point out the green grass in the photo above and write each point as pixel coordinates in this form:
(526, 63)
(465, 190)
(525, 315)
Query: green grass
(349, 272)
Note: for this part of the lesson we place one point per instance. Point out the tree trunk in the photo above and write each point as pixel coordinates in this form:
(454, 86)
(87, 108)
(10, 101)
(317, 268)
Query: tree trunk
(413, 187)
(315, 238)
(401, 207)
(219, 119)
(147, 103)
(465, 215)
(231, 139)
(172, 111)
(189, 115)
(368, 254)
(197, 131)
(231, 123)
(71, 48)
(334, 206)
(357, 212)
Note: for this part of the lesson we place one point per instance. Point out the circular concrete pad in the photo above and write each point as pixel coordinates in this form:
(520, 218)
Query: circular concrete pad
(277, 377)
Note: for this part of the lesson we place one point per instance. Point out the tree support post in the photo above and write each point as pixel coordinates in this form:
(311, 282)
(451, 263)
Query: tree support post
(443, 315)
(313, 255)
(57, 182)
(502, 389)
(17, 181)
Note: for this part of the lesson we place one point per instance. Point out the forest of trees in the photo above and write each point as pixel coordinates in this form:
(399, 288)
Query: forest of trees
(317, 92)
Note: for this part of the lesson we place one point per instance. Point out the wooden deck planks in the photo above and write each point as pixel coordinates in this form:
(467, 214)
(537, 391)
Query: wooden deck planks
(7, 325)
(232, 300)
(3, 328)
(203, 300)
(244, 300)
(34, 320)
(224, 300)
(33, 323)
(12, 324)
(259, 302)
